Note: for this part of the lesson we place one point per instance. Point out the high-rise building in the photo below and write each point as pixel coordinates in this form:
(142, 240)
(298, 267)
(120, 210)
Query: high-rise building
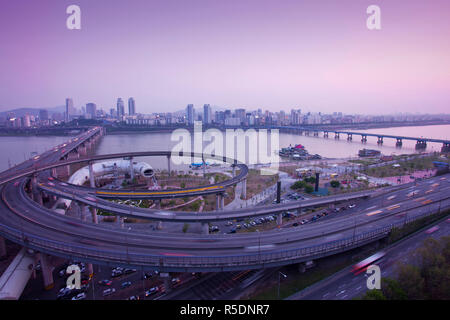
(70, 110)
(131, 107)
(206, 114)
(91, 110)
(120, 108)
(240, 114)
(43, 115)
(190, 113)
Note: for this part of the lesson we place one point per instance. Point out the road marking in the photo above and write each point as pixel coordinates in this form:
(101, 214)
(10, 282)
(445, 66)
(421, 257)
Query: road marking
(371, 207)
(391, 197)
(429, 191)
(419, 199)
(393, 207)
(427, 201)
(373, 213)
(359, 288)
(435, 184)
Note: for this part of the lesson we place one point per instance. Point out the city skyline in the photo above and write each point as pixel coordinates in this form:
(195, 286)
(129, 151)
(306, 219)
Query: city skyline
(247, 54)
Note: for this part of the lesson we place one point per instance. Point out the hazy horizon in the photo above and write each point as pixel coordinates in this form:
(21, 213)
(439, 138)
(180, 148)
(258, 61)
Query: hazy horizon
(318, 56)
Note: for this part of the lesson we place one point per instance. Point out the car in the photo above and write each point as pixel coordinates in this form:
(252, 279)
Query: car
(238, 226)
(303, 221)
(51, 178)
(295, 224)
(232, 230)
(175, 280)
(229, 223)
(133, 298)
(147, 275)
(352, 206)
(151, 291)
(125, 284)
(214, 229)
(246, 225)
(80, 296)
(108, 292)
(128, 271)
(253, 223)
(105, 282)
(116, 273)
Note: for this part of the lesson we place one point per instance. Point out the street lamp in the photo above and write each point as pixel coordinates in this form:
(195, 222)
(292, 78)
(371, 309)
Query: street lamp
(279, 279)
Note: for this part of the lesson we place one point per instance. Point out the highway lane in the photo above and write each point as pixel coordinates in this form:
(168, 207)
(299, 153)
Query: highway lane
(63, 235)
(345, 286)
(99, 238)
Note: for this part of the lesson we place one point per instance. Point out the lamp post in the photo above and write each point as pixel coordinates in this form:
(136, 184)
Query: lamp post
(279, 280)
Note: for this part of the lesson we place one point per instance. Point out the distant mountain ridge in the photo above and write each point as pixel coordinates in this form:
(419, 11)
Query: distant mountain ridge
(20, 112)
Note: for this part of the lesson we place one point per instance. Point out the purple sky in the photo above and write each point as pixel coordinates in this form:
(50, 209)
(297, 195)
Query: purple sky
(316, 55)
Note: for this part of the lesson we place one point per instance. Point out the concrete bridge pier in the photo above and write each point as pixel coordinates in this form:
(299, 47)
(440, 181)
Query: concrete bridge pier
(336, 135)
(445, 147)
(158, 206)
(399, 142)
(325, 134)
(82, 211)
(47, 270)
(2, 247)
(244, 189)
(120, 221)
(168, 165)
(349, 137)
(306, 133)
(219, 201)
(36, 194)
(90, 270)
(205, 228)
(363, 138)
(421, 144)
(279, 219)
(380, 140)
(316, 133)
(131, 169)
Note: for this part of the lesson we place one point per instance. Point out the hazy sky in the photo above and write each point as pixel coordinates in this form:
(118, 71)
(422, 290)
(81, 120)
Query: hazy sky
(317, 55)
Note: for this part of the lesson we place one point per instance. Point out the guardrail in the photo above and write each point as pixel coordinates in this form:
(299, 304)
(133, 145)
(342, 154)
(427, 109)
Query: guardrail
(230, 262)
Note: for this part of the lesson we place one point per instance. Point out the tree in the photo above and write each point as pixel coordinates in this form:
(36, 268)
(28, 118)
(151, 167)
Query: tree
(335, 183)
(309, 188)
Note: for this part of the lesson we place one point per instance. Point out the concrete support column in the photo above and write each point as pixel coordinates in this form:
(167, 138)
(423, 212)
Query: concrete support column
(94, 215)
(91, 175)
(131, 169)
(83, 212)
(37, 195)
(168, 165)
(90, 270)
(205, 228)
(67, 168)
(54, 173)
(47, 271)
(158, 206)
(218, 201)
(167, 283)
(120, 221)
(234, 171)
(2, 247)
(279, 219)
(244, 188)
(222, 202)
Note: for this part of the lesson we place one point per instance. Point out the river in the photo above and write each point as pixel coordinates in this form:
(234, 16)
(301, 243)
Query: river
(17, 149)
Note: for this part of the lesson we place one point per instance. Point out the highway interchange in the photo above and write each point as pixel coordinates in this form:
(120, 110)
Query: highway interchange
(24, 221)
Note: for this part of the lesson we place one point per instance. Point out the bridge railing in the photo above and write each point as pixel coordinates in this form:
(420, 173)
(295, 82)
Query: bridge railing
(254, 258)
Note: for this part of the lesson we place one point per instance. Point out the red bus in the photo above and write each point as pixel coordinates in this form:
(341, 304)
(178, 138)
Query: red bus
(363, 265)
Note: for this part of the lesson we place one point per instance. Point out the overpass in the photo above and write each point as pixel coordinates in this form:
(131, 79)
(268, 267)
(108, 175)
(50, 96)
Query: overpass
(31, 224)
